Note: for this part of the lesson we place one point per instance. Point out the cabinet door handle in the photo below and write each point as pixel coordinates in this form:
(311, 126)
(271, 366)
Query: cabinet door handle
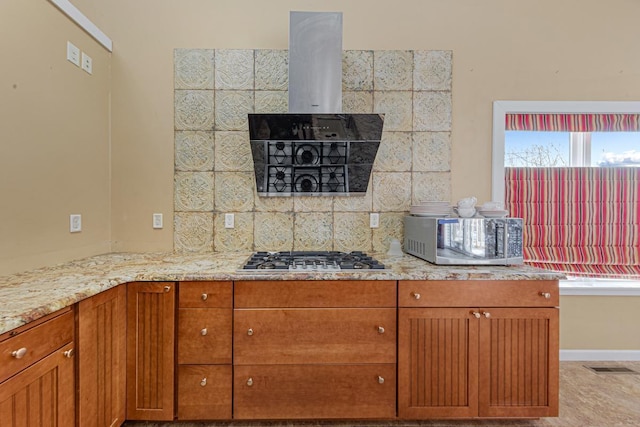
(203, 382)
(249, 331)
(380, 380)
(19, 353)
(68, 354)
(476, 314)
(167, 288)
(415, 295)
(545, 295)
(204, 297)
(381, 329)
(250, 382)
(203, 332)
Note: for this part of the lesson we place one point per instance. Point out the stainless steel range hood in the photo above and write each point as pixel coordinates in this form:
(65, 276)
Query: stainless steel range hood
(314, 150)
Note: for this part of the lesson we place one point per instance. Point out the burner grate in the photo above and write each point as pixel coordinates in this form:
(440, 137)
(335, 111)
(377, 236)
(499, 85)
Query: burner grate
(312, 261)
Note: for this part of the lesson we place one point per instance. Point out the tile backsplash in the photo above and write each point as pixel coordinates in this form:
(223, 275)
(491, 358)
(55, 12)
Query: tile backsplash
(213, 168)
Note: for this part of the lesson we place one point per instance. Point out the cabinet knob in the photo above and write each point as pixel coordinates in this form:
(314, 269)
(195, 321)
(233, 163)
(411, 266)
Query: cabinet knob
(203, 382)
(476, 314)
(203, 332)
(250, 382)
(415, 295)
(19, 353)
(167, 288)
(545, 295)
(249, 331)
(381, 329)
(380, 380)
(204, 297)
(68, 354)
(486, 314)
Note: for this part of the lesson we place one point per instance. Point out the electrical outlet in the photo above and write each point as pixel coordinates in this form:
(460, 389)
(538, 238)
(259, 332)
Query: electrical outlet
(75, 223)
(87, 63)
(374, 220)
(73, 54)
(157, 220)
(229, 220)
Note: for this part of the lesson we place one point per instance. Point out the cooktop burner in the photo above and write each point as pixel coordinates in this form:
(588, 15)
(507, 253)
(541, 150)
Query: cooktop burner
(312, 261)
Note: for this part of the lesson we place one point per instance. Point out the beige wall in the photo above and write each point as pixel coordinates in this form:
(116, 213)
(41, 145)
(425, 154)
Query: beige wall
(54, 139)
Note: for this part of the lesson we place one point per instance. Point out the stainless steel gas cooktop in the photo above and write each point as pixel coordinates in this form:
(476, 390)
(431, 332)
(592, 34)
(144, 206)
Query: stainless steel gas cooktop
(312, 261)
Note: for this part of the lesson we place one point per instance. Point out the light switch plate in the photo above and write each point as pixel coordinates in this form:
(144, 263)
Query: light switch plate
(75, 223)
(73, 54)
(157, 220)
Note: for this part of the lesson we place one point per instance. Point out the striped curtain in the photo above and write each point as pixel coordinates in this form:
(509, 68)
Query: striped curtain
(581, 221)
(573, 122)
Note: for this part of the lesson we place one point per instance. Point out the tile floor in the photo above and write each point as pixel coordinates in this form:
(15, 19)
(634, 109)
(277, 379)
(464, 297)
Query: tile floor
(587, 399)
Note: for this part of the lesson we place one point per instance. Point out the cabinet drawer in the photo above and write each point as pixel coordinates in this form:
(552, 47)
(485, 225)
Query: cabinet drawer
(313, 293)
(281, 336)
(205, 295)
(34, 344)
(204, 335)
(314, 391)
(204, 392)
(474, 293)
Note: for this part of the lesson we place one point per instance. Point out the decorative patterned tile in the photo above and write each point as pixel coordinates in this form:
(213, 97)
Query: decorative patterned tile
(272, 69)
(194, 151)
(234, 69)
(233, 152)
(393, 70)
(194, 109)
(394, 154)
(432, 70)
(273, 231)
(193, 191)
(391, 227)
(351, 232)
(391, 191)
(273, 204)
(397, 108)
(312, 204)
(193, 232)
(193, 68)
(431, 151)
(432, 111)
(313, 231)
(354, 203)
(431, 186)
(272, 101)
(357, 101)
(239, 238)
(232, 107)
(234, 191)
(357, 70)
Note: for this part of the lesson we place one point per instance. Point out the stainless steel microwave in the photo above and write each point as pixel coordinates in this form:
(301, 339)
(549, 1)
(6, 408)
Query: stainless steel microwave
(464, 241)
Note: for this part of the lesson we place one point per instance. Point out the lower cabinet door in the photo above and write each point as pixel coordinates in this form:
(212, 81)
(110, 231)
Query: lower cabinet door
(314, 391)
(204, 392)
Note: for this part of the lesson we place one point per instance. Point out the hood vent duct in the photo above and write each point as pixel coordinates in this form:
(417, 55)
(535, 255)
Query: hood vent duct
(314, 150)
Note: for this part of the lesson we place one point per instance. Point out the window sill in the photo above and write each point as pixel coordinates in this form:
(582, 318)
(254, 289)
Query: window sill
(600, 287)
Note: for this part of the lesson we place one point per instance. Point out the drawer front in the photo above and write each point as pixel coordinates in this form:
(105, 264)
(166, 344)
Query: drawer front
(282, 336)
(18, 352)
(313, 293)
(204, 392)
(474, 293)
(205, 295)
(204, 335)
(314, 391)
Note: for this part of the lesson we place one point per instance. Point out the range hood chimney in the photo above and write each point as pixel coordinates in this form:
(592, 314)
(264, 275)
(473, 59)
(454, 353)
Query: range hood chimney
(315, 149)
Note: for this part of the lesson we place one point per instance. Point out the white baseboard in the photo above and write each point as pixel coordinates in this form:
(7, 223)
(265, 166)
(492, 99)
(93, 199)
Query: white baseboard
(599, 355)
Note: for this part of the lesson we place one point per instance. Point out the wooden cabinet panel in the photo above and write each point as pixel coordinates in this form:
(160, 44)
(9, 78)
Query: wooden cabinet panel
(315, 294)
(150, 350)
(519, 363)
(204, 335)
(437, 363)
(475, 293)
(102, 358)
(205, 295)
(43, 394)
(204, 392)
(35, 343)
(315, 391)
(272, 336)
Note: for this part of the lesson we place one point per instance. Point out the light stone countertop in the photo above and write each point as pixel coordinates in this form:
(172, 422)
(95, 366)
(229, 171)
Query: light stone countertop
(27, 296)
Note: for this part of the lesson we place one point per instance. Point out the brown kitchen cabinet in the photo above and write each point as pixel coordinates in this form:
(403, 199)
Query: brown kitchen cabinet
(205, 311)
(150, 350)
(37, 372)
(458, 360)
(101, 332)
(314, 349)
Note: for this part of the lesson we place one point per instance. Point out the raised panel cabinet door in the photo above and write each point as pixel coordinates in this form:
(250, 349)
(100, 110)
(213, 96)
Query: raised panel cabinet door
(41, 395)
(102, 358)
(519, 362)
(204, 392)
(437, 363)
(150, 350)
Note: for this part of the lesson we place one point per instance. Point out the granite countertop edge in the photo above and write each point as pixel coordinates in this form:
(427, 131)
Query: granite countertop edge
(30, 295)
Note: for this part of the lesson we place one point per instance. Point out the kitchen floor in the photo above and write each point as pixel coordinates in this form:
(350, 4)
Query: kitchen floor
(587, 399)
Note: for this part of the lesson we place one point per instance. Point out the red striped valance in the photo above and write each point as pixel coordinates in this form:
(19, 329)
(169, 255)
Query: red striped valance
(573, 122)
